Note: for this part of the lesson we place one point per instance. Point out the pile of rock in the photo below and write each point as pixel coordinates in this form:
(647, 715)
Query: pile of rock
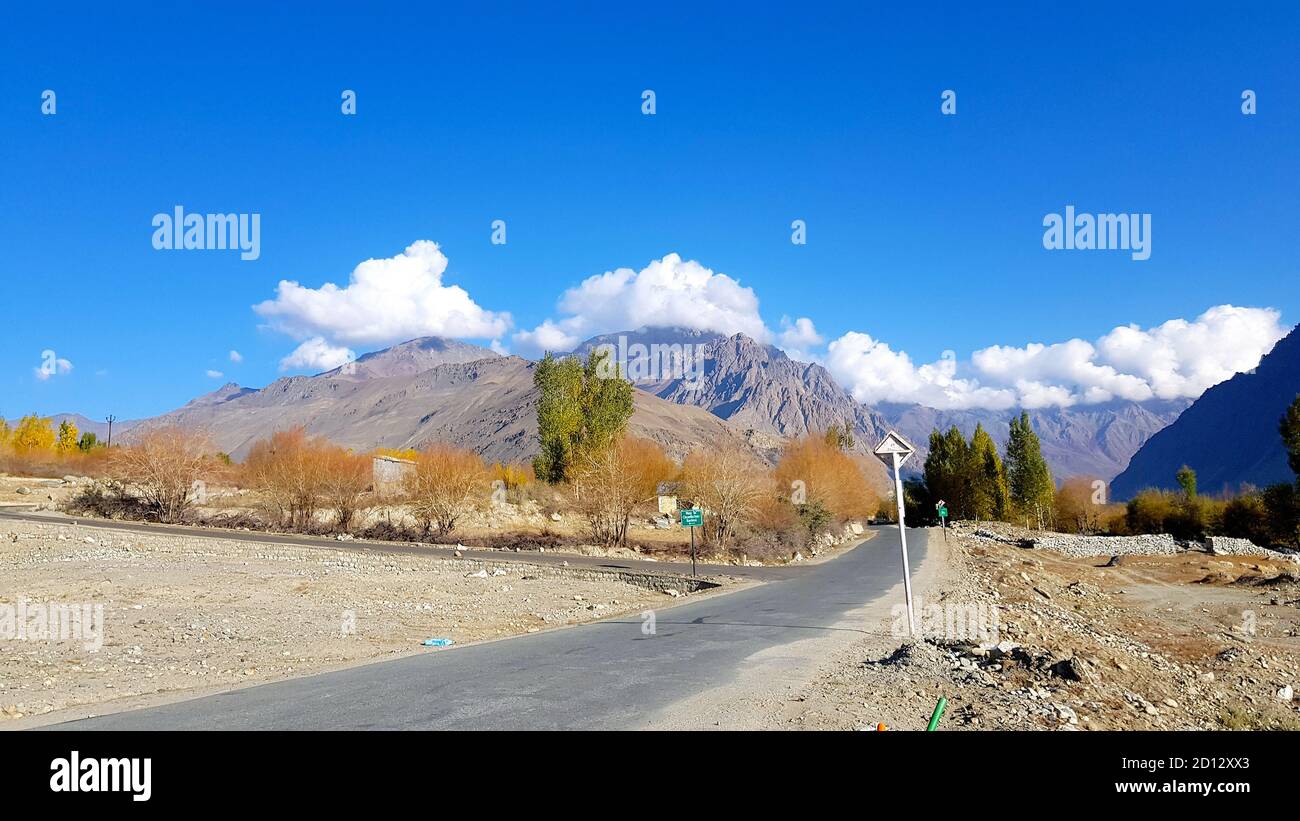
(1081, 547)
(1228, 546)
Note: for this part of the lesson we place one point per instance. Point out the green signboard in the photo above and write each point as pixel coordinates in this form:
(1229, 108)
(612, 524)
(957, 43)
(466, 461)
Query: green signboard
(943, 513)
(692, 518)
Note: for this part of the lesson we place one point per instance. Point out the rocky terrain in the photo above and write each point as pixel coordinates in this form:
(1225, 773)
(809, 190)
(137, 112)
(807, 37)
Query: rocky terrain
(1171, 641)
(194, 615)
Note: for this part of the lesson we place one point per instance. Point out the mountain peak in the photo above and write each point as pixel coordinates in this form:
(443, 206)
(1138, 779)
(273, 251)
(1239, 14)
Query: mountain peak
(411, 357)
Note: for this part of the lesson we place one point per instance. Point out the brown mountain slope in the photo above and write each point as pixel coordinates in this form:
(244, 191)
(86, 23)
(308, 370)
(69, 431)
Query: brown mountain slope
(487, 405)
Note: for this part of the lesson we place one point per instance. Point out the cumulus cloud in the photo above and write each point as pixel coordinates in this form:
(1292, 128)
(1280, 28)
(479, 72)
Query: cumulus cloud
(236, 357)
(667, 292)
(873, 372)
(214, 374)
(1176, 359)
(317, 355)
(385, 301)
(798, 338)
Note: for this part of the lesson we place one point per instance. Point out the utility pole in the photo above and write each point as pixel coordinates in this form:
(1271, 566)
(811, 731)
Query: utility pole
(110, 419)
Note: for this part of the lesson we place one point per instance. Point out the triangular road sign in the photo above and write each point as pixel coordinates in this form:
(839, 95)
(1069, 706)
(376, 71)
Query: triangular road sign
(891, 444)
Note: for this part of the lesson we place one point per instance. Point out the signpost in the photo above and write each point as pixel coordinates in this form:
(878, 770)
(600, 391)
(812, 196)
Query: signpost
(895, 449)
(691, 519)
(941, 507)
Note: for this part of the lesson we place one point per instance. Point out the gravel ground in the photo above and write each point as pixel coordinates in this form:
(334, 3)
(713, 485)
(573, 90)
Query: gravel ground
(1186, 641)
(189, 614)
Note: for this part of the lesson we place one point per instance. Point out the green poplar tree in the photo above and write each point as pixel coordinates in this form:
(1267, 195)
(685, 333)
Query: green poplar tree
(583, 407)
(1028, 478)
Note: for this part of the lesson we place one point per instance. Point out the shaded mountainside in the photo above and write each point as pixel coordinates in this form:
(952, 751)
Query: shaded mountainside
(1229, 435)
(487, 405)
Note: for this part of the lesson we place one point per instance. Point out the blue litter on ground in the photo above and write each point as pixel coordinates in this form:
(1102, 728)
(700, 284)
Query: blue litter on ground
(437, 642)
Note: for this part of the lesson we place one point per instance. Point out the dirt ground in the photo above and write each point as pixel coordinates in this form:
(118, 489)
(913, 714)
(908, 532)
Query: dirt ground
(1190, 641)
(198, 615)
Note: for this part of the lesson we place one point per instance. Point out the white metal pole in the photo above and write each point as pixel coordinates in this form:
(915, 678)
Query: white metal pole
(902, 538)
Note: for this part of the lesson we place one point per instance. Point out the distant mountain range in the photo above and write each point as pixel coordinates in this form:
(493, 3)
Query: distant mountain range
(757, 386)
(1229, 435)
(391, 399)
(734, 388)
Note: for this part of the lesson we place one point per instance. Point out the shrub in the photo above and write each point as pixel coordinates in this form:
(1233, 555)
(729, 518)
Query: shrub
(163, 467)
(446, 483)
(608, 484)
(814, 472)
(728, 484)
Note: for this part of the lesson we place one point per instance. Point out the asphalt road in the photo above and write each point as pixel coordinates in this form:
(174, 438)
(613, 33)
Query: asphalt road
(605, 675)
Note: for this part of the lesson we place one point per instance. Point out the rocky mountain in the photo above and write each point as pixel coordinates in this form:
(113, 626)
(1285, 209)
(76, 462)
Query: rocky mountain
(1229, 435)
(751, 385)
(758, 387)
(1089, 440)
(412, 357)
(694, 388)
(487, 405)
(87, 425)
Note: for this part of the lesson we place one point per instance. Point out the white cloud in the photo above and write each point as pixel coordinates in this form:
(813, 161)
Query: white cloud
(873, 372)
(798, 338)
(667, 292)
(1178, 358)
(215, 374)
(51, 366)
(318, 355)
(385, 301)
(236, 357)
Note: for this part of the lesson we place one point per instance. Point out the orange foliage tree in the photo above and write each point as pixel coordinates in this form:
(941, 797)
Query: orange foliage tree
(447, 482)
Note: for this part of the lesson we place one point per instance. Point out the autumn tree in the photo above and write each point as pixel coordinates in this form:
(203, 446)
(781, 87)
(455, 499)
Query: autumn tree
(728, 483)
(286, 470)
(33, 433)
(164, 467)
(67, 438)
(816, 475)
(1028, 477)
(344, 479)
(840, 436)
(1076, 508)
(583, 406)
(610, 482)
(446, 483)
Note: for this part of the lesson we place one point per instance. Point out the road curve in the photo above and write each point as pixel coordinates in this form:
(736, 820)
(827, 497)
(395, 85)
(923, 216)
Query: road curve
(604, 675)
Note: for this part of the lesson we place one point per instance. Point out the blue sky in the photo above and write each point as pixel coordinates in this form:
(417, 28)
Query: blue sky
(924, 230)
